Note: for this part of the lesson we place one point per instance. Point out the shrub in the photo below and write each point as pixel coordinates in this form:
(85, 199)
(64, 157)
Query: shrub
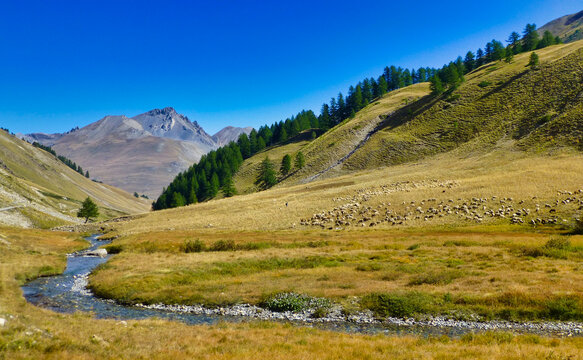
(289, 301)
(484, 84)
(399, 305)
(191, 246)
(114, 249)
(564, 308)
(559, 243)
(223, 245)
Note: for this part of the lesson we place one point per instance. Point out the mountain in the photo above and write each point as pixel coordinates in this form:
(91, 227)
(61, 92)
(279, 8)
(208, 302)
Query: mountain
(38, 190)
(569, 27)
(138, 154)
(230, 133)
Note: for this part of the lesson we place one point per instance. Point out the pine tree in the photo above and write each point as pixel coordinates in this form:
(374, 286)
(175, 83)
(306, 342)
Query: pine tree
(470, 61)
(509, 54)
(479, 58)
(87, 174)
(267, 176)
(547, 40)
(177, 200)
(229, 188)
(244, 145)
(88, 209)
(300, 160)
(513, 42)
(382, 84)
(530, 38)
(436, 86)
(192, 197)
(533, 61)
(285, 164)
(214, 185)
(498, 50)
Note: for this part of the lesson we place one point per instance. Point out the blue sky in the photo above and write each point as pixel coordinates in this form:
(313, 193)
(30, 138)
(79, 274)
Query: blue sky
(225, 62)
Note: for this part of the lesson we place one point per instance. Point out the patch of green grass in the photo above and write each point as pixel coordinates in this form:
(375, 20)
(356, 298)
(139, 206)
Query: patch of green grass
(436, 278)
(397, 304)
(558, 247)
(369, 267)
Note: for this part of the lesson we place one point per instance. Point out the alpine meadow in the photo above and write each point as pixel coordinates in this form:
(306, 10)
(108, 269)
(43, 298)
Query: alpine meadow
(428, 212)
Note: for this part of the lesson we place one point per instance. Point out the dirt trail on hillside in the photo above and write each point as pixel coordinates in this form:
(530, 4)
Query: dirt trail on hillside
(360, 138)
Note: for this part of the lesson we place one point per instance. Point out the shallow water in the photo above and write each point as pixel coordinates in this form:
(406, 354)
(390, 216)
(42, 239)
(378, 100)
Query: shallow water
(67, 293)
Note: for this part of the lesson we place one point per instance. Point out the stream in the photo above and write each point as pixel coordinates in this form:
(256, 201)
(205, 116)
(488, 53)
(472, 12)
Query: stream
(67, 293)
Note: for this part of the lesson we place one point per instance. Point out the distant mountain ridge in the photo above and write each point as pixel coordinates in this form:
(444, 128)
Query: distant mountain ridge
(230, 133)
(569, 27)
(138, 154)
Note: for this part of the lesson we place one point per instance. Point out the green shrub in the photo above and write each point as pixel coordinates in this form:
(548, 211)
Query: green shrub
(564, 308)
(484, 84)
(191, 246)
(289, 301)
(114, 249)
(413, 247)
(223, 245)
(398, 305)
(559, 243)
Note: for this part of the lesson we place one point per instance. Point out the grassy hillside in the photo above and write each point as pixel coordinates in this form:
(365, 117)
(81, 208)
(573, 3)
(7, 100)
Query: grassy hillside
(37, 190)
(535, 110)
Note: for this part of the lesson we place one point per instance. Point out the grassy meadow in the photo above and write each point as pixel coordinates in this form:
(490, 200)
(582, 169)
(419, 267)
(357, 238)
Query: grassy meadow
(31, 332)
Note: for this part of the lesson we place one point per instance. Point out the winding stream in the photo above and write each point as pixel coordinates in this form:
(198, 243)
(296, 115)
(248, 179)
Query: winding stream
(67, 293)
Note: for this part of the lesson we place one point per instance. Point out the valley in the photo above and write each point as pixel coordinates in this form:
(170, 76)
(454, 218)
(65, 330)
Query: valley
(428, 224)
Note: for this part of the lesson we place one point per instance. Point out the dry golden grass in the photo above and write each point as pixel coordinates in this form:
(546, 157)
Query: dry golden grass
(34, 333)
(487, 267)
(499, 173)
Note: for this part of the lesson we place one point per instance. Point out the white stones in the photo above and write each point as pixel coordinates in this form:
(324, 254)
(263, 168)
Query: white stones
(2, 322)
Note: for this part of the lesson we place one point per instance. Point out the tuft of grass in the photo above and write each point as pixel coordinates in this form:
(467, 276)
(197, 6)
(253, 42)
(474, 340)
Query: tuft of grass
(436, 278)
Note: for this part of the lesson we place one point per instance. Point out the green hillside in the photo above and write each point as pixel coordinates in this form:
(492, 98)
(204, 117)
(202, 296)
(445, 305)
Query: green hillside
(530, 109)
(38, 190)
(500, 104)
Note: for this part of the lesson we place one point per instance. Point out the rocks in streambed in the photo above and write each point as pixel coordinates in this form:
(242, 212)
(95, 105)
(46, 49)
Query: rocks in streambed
(95, 253)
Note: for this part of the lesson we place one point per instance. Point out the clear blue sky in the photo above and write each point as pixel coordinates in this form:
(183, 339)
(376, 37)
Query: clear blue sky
(225, 62)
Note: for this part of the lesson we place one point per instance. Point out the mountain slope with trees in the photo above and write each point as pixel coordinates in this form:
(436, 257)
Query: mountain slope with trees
(349, 122)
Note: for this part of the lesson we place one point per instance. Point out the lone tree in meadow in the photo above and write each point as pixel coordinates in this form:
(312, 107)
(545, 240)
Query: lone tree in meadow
(88, 209)
(285, 164)
(533, 62)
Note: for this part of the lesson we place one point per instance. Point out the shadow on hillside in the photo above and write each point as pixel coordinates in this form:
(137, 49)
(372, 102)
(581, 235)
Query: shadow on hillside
(503, 85)
(408, 112)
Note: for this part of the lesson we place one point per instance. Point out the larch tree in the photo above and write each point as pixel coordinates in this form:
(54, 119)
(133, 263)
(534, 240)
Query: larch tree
(88, 209)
